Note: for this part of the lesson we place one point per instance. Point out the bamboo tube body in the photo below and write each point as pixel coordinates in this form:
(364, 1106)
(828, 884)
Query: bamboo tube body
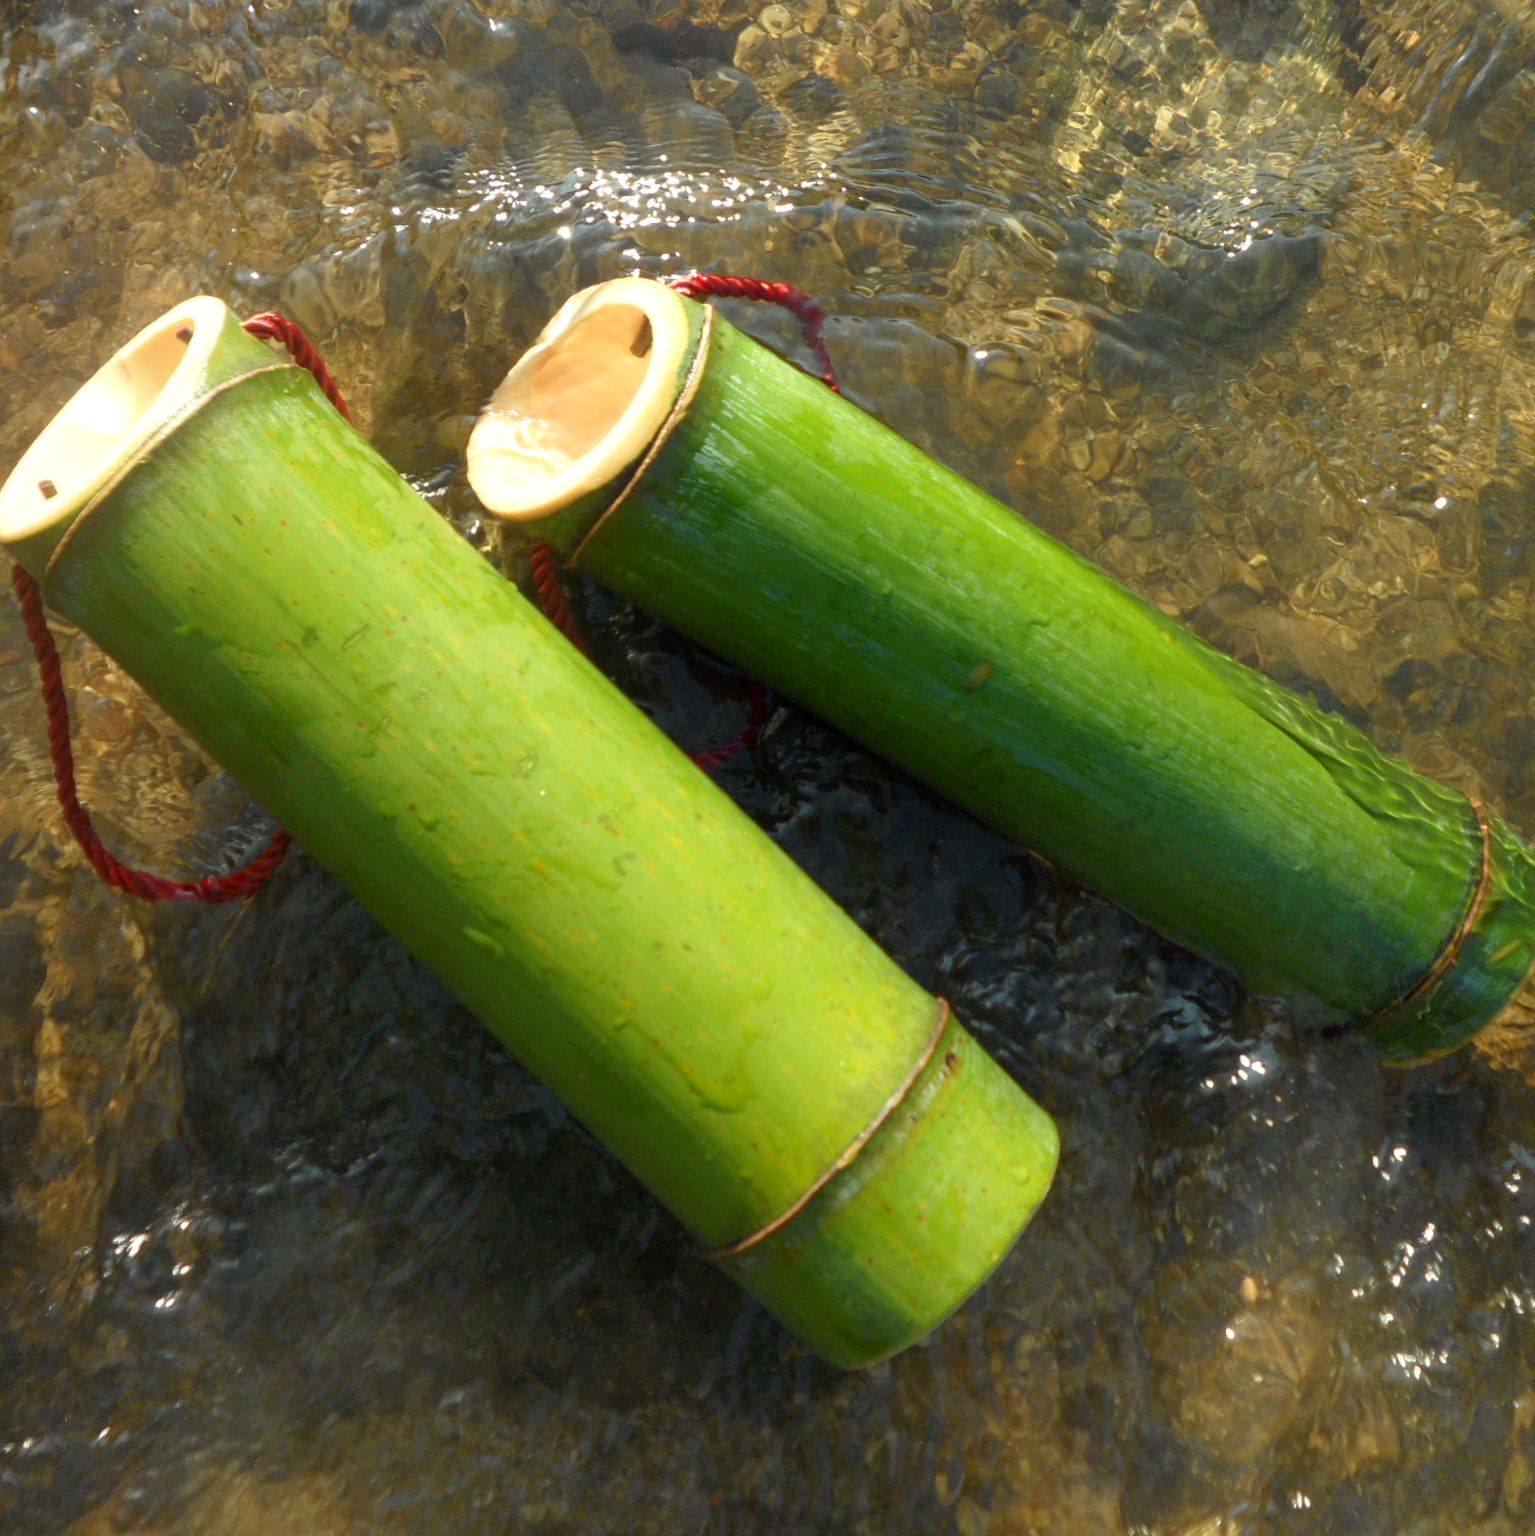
(714, 1018)
(800, 538)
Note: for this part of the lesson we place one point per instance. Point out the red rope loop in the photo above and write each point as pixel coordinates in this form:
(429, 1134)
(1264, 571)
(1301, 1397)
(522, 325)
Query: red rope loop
(237, 883)
(136, 882)
(756, 717)
(274, 327)
(811, 317)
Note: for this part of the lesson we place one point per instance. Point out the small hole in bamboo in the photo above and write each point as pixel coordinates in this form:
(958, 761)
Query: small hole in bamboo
(131, 394)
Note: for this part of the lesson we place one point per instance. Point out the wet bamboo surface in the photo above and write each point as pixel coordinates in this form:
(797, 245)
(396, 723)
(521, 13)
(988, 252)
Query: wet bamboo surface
(426, 735)
(795, 535)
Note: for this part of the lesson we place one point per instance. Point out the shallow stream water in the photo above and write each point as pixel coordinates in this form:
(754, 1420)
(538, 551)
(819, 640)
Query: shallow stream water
(1238, 299)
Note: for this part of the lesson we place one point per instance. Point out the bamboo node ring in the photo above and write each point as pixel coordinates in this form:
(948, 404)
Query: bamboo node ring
(851, 1151)
(1444, 962)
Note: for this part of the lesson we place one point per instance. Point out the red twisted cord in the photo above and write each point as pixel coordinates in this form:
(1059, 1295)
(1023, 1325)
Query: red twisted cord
(551, 595)
(274, 327)
(811, 317)
(546, 572)
(138, 882)
(756, 717)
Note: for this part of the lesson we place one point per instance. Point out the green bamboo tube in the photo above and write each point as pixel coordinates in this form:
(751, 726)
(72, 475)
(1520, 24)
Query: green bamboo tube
(203, 514)
(794, 534)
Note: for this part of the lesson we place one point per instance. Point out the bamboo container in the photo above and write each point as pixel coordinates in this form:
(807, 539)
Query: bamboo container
(748, 506)
(815, 1118)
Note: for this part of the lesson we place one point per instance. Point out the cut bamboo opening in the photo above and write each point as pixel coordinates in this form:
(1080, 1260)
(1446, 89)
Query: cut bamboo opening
(583, 402)
(109, 419)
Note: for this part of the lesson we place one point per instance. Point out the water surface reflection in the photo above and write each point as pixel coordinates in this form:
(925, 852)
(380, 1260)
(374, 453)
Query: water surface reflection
(1235, 298)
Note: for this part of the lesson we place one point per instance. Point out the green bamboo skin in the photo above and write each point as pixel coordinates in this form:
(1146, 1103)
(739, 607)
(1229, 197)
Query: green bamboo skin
(797, 536)
(907, 1181)
(710, 1014)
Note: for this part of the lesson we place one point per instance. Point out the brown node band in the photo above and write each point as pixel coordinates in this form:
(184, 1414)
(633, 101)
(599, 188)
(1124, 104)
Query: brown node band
(679, 409)
(851, 1151)
(1449, 953)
